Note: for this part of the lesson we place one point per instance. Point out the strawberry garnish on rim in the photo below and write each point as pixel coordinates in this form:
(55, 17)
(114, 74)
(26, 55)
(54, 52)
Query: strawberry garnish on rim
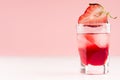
(95, 14)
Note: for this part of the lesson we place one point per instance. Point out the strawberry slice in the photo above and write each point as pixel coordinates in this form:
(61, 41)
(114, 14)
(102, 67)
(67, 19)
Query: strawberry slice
(90, 38)
(95, 14)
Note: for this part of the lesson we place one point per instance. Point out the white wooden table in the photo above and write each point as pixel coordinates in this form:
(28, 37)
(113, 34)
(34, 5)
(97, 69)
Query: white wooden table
(51, 68)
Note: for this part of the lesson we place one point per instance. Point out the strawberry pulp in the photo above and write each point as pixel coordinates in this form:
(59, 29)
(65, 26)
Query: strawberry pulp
(94, 55)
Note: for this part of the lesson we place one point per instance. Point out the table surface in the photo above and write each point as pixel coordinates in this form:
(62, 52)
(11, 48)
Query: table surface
(51, 68)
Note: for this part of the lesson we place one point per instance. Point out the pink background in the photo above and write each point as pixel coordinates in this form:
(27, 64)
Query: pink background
(47, 27)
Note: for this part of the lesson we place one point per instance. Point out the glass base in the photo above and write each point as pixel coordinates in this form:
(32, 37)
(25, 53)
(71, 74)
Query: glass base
(94, 70)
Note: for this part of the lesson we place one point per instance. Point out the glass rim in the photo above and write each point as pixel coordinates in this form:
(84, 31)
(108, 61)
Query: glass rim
(104, 28)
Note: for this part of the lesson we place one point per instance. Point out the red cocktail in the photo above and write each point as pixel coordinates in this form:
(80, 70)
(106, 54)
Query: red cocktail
(93, 48)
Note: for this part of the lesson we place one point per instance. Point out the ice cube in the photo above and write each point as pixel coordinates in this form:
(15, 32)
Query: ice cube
(83, 41)
(101, 40)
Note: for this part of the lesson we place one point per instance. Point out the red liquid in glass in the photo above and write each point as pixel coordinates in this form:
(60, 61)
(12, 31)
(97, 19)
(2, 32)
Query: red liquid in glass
(93, 48)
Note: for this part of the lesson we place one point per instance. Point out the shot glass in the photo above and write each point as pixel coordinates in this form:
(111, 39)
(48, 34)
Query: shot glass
(93, 48)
